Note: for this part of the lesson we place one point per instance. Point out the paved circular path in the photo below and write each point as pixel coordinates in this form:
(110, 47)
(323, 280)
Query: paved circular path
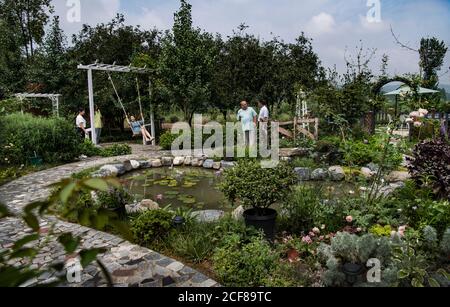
(130, 265)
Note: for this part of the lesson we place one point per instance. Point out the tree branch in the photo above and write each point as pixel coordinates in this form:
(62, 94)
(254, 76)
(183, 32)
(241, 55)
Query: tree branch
(400, 43)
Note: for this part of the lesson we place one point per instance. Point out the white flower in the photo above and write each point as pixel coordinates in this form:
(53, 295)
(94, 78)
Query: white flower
(363, 189)
(417, 124)
(414, 114)
(423, 111)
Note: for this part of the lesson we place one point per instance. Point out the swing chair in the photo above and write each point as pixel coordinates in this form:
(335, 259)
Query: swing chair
(142, 125)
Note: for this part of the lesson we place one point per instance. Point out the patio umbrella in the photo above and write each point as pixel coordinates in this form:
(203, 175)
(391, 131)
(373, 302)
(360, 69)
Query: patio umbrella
(408, 90)
(405, 90)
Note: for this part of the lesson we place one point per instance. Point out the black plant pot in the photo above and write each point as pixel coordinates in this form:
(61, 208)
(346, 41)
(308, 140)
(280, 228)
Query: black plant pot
(262, 219)
(352, 271)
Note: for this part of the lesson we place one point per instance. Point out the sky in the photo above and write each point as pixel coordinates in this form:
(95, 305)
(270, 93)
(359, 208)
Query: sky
(336, 26)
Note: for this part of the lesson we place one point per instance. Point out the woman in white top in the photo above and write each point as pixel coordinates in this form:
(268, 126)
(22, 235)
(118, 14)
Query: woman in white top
(81, 124)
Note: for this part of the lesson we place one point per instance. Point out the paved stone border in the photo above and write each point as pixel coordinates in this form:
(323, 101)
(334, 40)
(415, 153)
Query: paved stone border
(130, 265)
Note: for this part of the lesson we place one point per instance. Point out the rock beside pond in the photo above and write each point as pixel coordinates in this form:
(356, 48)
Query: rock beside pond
(145, 164)
(208, 216)
(227, 164)
(303, 173)
(367, 172)
(373, 167)
(177, 161)
(156, 163)
(131, 165)
(238, 213)
(319, 174)
(167, 161)
(398, 176)
(120, 168)
(337, 173)
(208, 164)
(217, 166)
(108, 171)
(188, 161)
(150, 204)
(293, 152)
(391, 188)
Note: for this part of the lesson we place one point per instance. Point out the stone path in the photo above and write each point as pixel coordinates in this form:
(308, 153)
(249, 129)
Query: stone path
(130, 265)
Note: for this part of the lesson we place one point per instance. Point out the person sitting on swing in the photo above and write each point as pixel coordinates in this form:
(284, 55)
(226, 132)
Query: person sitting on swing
(138, 127)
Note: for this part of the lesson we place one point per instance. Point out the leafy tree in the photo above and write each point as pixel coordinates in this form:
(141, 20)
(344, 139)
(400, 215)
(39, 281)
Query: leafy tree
(432, 54)
(30, 17)
(186, 64)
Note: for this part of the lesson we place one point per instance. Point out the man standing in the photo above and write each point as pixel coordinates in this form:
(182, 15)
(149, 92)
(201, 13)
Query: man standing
(98, 120)
(248, 117)
(263, 120)
(81, 124)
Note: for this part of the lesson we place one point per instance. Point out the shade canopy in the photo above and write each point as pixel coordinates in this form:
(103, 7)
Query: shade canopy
(405, 90)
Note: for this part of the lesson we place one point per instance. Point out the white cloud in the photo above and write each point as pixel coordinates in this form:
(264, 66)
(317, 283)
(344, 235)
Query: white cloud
(321, 24)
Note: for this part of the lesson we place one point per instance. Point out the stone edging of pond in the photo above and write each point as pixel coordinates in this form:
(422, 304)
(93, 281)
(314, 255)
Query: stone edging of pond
(130, 265)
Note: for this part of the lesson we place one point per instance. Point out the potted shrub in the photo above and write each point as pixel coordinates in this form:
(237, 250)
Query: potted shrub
(257, 189)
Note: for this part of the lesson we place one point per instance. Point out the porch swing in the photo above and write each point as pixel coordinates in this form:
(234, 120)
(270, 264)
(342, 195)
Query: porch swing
(142, 125)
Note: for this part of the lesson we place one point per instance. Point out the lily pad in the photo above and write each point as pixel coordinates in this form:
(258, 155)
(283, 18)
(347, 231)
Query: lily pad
(187, 199)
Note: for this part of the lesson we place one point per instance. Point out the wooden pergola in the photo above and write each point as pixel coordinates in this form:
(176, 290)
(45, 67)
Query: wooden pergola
(111, 68)
(53, 97)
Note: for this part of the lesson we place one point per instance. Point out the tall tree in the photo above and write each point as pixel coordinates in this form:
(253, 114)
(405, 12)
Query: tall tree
(186, 63)
(432, 54)
(30, 16)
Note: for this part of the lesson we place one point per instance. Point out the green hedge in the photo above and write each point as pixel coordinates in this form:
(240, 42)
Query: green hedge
(23, 135)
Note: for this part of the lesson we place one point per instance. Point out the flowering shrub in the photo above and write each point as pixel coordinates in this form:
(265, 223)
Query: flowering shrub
(429, 167)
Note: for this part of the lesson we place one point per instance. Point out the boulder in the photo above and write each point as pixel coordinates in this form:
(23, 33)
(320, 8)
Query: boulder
(303, 173)
(293, 152)
(398, 177)
(127, 165)
(188, 161)
(208, 216)
(149, 204)
(337, 173)
(135, 208)
(391, 188)
(177, 161)
(319, 174)
(108, 171)
(227, 164)
(367, 173)
(217, 166)
(167, 161)
(373, 167)
(120, 168)
(208, 164)
(238, 213)
(145, 164)
(135, 164)
(195, 162)
(156, 163)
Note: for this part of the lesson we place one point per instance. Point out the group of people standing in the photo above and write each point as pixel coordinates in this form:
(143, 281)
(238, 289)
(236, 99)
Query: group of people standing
(251, 120)
(81, 124)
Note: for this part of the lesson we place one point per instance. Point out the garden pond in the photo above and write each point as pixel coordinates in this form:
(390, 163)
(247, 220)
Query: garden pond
(198, 188)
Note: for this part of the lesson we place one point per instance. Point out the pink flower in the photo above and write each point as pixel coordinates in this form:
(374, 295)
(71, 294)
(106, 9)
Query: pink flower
(307, 240)
(349, 219)
(417, 124)
(321, 238)
(312, 234)
(358, 229)
(316, 230)
(159, 197)
(401, 231)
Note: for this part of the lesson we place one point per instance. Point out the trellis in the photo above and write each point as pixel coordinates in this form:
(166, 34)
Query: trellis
(54, 98)
(111, 68)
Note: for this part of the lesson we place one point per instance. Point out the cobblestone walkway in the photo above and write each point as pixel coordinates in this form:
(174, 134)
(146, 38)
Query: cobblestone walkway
(130, 265)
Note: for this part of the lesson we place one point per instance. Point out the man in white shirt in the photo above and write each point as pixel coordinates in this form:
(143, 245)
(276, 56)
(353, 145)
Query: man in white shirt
(81, 124)
(247, 116)
(263, 120)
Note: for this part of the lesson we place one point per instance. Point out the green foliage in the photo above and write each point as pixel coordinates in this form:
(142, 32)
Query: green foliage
(255, 186)
(445, 243)
(88, 148)
(115, 198)
(429, 167)
(166, 140)
(381, 231)
(15, 261)
(23, 135)
(152, 226)
(116, 150)
(244, 264)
